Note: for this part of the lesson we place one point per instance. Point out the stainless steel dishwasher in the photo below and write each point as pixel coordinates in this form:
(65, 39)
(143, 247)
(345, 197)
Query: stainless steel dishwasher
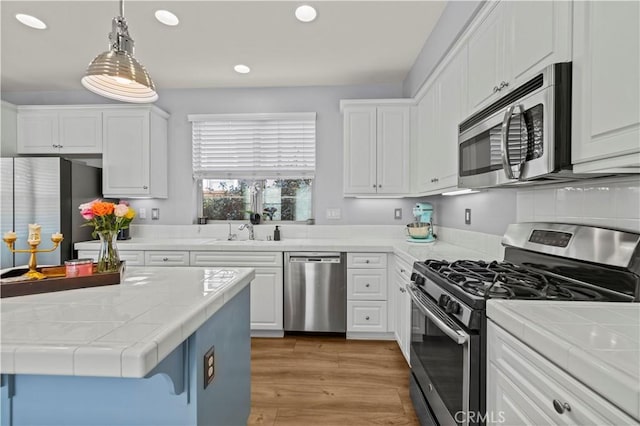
(315, 292)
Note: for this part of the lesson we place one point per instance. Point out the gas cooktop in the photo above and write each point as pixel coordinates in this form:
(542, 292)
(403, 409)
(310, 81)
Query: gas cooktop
(505, 280)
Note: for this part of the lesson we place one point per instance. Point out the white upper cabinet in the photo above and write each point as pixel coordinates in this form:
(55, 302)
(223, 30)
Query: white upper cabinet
(393, 141)
(486, 57)
(134, 162)
(59, 130)
(360, 159)
(606, 87)
(513, 42)
(439, 113)
(376, 148)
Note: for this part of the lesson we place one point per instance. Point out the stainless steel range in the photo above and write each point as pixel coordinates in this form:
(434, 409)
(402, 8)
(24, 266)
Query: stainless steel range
(543, 261)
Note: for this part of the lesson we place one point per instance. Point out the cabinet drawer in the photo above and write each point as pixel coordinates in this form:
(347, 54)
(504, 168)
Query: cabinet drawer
(540, 383)
(402, 267)
(132, 257)
(166, 258)
(367, 316)
(366, 284)
(366, 260)
(236, 258)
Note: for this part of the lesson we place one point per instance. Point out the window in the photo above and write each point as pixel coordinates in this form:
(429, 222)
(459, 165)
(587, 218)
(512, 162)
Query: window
(273, 199)
(255, 163)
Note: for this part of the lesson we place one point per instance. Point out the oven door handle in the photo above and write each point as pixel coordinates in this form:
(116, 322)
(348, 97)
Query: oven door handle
(457, 336)
(506, 159)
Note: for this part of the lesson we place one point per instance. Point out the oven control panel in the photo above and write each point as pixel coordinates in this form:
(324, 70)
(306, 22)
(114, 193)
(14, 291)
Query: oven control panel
(550, 238)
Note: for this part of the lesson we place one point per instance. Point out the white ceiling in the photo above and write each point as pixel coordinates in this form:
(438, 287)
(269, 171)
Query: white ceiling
(351, 42)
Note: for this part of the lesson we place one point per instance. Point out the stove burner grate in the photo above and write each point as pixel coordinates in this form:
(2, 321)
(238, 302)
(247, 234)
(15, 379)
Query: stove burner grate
(508, 281)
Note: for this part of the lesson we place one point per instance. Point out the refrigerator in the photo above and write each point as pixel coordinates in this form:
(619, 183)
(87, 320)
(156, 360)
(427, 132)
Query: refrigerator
(47, 191)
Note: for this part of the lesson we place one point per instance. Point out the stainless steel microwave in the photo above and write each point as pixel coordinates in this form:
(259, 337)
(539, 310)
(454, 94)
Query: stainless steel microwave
(523, 137)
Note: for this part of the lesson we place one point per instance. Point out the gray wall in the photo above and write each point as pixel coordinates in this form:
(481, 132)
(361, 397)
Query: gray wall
(180, 207)
(491, 210)
(454, 19)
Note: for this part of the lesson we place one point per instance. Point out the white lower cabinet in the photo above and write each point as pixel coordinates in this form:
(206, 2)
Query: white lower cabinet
(367, 295)
(401, 300)
(131, 257)
(166, 258)
(266, 288)
(367, 316)
(524, 388)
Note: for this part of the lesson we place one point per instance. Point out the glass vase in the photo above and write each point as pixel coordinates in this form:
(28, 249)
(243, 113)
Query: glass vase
(108, 258)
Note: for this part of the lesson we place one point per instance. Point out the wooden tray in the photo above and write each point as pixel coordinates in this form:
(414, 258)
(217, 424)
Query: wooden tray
(11, 285)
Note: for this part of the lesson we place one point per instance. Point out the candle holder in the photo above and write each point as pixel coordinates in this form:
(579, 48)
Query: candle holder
(33, 263)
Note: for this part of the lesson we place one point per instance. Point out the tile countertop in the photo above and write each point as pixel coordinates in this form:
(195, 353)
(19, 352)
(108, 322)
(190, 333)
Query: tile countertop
(409, 251)
(120, 330)
(596, 343)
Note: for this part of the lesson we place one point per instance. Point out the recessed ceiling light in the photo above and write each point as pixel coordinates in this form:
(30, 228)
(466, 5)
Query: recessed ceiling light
(167, 18)
(306, 13)
(242, 69)
(31, 21)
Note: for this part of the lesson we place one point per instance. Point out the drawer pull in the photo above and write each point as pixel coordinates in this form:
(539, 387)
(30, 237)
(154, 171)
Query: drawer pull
(367, 285)
(402, 271)
(165, 259)
(367, 261)
(561, 407)
(367, 317)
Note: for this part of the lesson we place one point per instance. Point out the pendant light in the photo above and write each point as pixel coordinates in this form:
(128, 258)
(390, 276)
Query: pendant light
(116, 74)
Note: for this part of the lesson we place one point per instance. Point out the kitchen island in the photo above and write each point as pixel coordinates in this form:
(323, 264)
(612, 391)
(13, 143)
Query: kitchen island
(134, 353)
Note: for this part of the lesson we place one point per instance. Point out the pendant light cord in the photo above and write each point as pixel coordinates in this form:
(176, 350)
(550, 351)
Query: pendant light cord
(122, 8)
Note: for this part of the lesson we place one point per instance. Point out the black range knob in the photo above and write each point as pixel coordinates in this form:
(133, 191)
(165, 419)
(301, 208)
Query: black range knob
(443, 300)
(419, 280)
(452, 307)
(413, 276)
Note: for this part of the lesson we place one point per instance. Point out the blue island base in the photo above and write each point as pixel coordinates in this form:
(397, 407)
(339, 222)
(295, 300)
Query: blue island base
(173, 393)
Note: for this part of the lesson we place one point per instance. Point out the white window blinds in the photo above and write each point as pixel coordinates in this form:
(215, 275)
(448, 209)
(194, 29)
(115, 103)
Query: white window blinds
(254, 145)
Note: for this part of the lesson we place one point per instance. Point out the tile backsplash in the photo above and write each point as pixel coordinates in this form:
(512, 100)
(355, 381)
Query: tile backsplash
(610, 202)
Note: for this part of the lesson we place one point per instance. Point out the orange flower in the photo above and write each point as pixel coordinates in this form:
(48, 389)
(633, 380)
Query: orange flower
(102, 209)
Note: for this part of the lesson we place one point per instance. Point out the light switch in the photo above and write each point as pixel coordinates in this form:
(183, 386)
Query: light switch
(397, 214)
(467, 216)
(142, 212)
(155, 213)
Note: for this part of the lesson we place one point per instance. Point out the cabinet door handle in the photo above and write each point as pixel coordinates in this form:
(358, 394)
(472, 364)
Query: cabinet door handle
(379, 186)
(496, 89)
(503, 85)
(402, 270)
(367, 261)
(374, 185)
(165, 259)
(402, 290)
(561, 407)
(367, 317)
(367, 285)
(145, 187)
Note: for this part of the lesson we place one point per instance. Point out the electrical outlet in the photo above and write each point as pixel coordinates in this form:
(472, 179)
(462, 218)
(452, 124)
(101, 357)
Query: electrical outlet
(155, 213)
(333, 214)
(397, 214)
(467, 216)
(142, 212)
(209, 367)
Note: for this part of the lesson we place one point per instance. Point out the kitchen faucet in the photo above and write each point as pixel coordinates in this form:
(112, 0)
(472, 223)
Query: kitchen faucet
(231, 236)
(248, 226)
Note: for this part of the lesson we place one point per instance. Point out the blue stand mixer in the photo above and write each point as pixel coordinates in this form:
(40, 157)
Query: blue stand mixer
(423, 212)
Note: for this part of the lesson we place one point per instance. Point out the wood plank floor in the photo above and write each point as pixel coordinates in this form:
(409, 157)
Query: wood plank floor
(302, 380)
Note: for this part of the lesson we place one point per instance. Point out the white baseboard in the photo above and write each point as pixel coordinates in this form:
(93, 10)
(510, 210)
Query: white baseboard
(267, 333)
(361, 335)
